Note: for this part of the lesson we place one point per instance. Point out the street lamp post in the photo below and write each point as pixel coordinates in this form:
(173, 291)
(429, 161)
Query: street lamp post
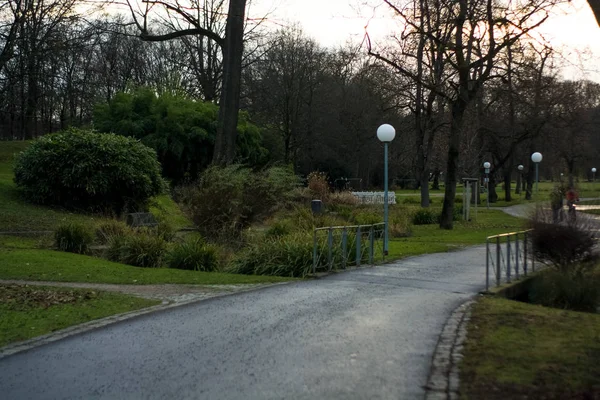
(593, 174)
(385, 133)
(487, 167)
(537, 158)
(520, 168)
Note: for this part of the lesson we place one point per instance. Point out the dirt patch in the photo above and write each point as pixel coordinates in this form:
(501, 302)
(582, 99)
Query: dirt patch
(24, 297)
(168, 293)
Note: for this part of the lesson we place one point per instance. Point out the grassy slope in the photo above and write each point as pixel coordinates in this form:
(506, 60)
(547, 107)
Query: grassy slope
(518, 350)
(431, 239)
(23, 319)
(19, 216)
(25, 258)
(20, 259)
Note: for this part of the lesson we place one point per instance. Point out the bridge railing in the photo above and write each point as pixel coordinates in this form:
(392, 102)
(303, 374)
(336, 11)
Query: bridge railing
(508, 256)
(339, 247)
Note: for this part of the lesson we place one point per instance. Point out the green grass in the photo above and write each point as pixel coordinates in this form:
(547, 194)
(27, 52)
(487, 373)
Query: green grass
(49, 265)
(517, 350)
(17, 215)
(33, 311)
(595, 212)
(431, 239)
(163, 207)
(590, 202)
(8, 150)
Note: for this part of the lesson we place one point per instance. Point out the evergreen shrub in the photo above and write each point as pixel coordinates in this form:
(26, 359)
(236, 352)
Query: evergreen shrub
(85, 170)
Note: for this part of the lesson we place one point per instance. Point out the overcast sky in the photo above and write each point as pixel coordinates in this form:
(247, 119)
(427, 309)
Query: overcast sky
(572, 30)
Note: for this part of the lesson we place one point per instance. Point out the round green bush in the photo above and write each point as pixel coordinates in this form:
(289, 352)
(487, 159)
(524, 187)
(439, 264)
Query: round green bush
(82, 169)
(73, 238)
(227, 199)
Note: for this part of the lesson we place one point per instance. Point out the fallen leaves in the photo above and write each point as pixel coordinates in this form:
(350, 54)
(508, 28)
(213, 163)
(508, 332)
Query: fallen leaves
(23, 297)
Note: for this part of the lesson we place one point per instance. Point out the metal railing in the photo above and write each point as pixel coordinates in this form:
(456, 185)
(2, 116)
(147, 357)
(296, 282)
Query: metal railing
(343, 246)
(506, 254)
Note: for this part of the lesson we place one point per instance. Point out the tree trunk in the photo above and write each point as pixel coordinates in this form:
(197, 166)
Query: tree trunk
(571, 168)
(422, 172)
(492, 194)
(529, 189)
(507, 183)
(225, 142)
(436, 180)
(518, 188)
(458, 110)
(424, 190)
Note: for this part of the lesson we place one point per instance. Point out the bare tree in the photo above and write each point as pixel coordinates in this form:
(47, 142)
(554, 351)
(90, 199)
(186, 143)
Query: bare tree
(516, 108)
(478, 31)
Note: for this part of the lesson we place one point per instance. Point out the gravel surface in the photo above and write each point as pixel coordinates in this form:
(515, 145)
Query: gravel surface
(363, 334)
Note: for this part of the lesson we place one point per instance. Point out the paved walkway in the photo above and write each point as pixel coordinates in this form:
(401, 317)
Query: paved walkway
(362, 334)
(367, 333)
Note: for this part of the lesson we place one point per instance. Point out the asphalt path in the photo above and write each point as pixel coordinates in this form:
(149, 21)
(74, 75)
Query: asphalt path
(363, 334)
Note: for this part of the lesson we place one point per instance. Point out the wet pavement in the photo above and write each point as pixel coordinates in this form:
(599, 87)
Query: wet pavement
(363, 334)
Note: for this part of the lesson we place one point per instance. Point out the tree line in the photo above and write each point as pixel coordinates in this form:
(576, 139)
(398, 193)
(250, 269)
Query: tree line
(462, 81)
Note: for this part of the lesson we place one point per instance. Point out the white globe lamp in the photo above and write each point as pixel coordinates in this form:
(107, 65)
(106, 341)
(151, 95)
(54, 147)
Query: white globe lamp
(385, 133)
(537, 159)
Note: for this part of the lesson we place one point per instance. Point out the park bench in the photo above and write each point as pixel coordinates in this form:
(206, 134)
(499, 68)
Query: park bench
(374, 197)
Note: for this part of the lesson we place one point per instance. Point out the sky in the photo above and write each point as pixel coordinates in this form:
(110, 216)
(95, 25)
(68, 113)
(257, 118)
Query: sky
(572, 29)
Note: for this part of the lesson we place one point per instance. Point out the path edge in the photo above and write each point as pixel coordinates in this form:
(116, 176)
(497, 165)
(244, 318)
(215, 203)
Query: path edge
(29, 344)
(444, 381)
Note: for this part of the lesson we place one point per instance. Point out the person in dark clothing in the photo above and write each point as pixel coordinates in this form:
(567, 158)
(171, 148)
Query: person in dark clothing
(572, 198)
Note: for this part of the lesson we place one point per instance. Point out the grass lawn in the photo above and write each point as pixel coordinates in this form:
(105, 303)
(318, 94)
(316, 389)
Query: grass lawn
(33, 311)
(16, 215)
(431, 239)
(20, 262)
(516, 351)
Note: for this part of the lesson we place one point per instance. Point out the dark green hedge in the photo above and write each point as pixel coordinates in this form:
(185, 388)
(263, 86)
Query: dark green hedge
(81, 169)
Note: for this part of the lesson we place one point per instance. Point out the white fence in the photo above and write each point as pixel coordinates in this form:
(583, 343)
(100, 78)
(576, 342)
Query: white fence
(374, 197)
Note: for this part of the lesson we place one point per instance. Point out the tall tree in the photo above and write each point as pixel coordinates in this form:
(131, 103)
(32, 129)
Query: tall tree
(478, 31)
(232, 46)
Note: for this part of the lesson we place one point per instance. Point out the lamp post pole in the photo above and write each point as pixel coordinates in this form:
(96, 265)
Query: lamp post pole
(537, 158)
(386, 134)
(487, 167)
(593, 174)
(520, 168)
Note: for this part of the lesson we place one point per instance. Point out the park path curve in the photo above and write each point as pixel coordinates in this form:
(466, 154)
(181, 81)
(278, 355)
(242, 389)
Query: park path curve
(366, 333)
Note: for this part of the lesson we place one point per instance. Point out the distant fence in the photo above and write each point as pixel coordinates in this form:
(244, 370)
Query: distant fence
(375, 197)
(339, 247)
(508, 256)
